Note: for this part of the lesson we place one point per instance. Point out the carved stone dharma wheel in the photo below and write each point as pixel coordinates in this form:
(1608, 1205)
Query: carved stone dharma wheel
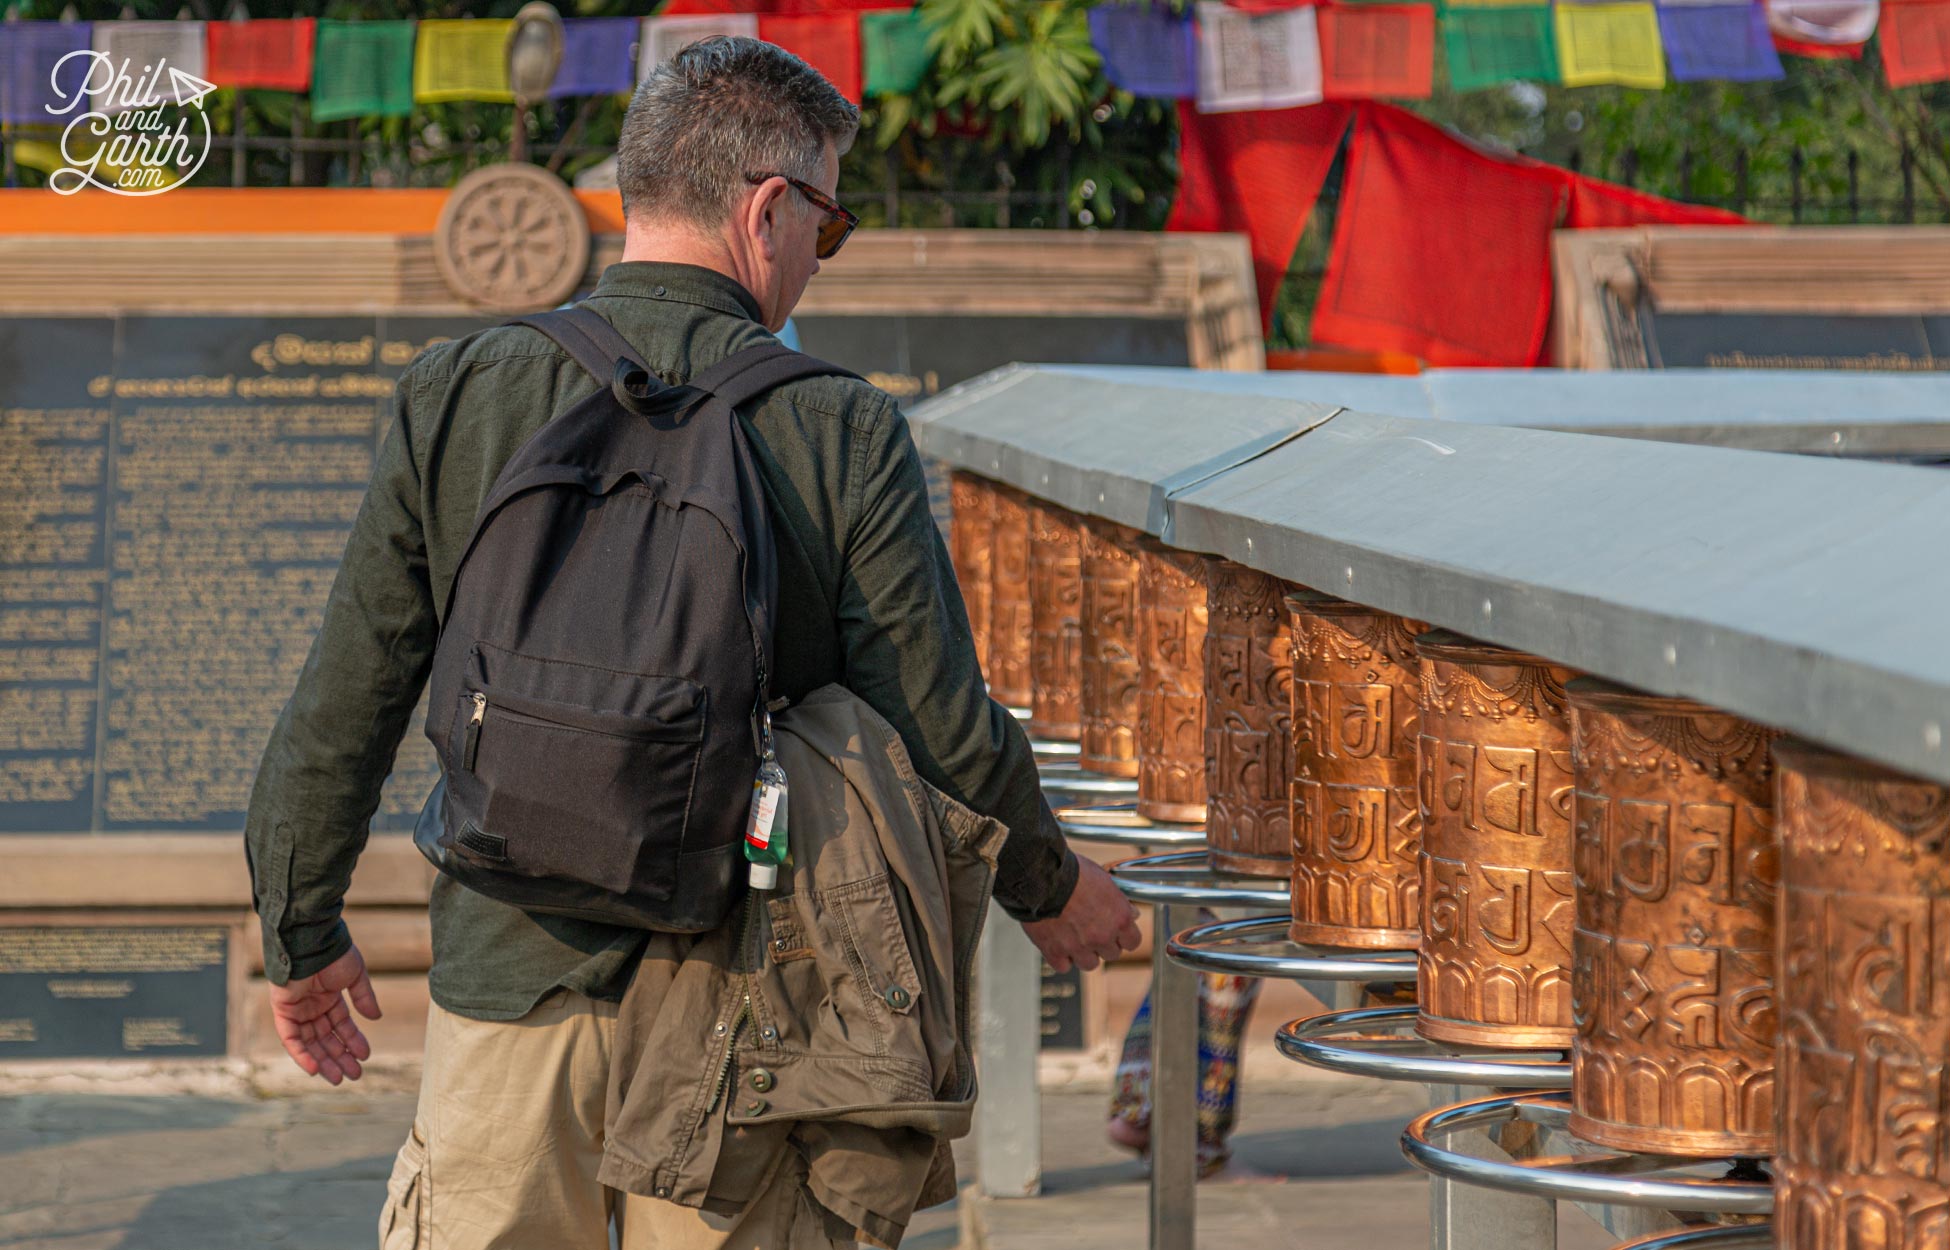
(1010, 628)
(1357, 827)
(1110, 649)
(1677, 871)
(1865, 1006)
(971, 547)
(1494, 785)
(1056, 622)
(1248, 669)
(512, 238)
(1171, 683)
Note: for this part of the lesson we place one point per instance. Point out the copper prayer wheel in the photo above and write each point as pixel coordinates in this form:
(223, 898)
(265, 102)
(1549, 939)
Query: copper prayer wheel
(1009, 621)
(1109, 670)
(971, 547)
(1493, 778)
(1865, 1006)
(1171, 683)
(1677, 869)
(1357, 826)
(1248, 706)
(1056, 621)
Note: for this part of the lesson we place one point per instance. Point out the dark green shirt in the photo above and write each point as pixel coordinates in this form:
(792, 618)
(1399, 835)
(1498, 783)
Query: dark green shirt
(866, 598)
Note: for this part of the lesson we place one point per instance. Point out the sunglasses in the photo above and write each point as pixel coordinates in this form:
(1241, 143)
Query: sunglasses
(839, 222)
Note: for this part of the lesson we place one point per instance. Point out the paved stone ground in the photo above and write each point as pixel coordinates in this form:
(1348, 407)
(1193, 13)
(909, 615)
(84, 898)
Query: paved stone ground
(186, 1172)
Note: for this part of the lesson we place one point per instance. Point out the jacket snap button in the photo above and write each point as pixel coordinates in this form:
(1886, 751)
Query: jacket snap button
(769, 1033)
(663, 1191)
(778, 944)
(756, 1106)
(897, 998)
(761, 1080)
(719, 1029)
(660, 292)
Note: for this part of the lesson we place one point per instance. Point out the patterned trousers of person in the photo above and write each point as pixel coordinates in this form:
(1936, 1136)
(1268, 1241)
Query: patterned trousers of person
(1224, 1003)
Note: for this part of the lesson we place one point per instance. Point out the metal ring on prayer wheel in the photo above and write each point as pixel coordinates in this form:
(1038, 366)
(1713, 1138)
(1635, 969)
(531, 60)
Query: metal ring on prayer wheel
(1171, 683)
(1248, 706)
(971, 548)
(1865, 1005)
(1056, 624)
(1009, 608)
(1493, 765)
(1677, 868)
(1357, 827)
(1109, 670)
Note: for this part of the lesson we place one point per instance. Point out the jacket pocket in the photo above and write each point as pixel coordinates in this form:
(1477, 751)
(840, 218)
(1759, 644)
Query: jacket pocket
(403, 1220)
(572, 772)
(874, 941)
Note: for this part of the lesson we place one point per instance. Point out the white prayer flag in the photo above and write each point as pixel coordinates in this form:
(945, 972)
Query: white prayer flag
(665, 37)
(1256, 60)
(1831, 23)
(141, 56)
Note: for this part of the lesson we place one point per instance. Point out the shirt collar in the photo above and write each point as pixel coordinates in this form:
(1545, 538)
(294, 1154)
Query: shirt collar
(687, 284)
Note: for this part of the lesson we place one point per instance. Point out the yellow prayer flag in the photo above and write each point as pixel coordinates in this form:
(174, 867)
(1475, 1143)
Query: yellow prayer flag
(1599, 44)
(462, 59)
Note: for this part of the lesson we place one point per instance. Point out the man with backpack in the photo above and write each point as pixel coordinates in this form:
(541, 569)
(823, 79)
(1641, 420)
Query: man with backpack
(685, 569)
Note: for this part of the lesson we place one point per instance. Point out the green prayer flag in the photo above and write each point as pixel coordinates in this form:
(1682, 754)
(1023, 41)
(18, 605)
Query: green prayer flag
(894, 52)
(1487, 46)
(362, 69)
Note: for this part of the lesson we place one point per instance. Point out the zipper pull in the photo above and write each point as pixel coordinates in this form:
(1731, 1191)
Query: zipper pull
(471, 744)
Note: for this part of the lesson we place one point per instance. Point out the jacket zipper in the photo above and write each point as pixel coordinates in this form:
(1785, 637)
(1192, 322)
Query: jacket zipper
(744, 1010)
(472, 743)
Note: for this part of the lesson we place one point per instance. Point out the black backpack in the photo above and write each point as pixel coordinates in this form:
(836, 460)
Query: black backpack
(602, 669)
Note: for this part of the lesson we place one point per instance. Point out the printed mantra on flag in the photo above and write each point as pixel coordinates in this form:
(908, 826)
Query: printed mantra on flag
(123, 139)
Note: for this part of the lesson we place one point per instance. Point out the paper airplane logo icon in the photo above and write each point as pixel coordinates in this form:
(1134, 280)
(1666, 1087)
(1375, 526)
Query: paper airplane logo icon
(188, 88)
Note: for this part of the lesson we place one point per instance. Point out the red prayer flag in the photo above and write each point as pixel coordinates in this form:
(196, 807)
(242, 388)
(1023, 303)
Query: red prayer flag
(699, 8)
(1257, 173)
(1916, 42)
(1369, 50)
(828, 42)
(1598, 205)
(1266, 6)
(273, 53)
(1442, 249)
(1819, 51)
(807, 8)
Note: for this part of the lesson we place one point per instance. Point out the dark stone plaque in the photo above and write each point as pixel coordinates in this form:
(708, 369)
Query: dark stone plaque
(1794, 341)
(1062, 1009)
(100, 993)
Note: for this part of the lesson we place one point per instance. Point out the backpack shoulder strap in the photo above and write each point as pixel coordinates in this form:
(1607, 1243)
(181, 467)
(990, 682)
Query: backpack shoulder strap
(750, 373)
(594, 343)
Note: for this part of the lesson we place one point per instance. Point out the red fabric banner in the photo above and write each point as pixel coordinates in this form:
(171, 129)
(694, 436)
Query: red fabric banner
(1442, 249)
(1369, 50)
(828, 42)
(1819, 51)
(1257, 173)
(1599, 205)
(273, 53)
(779, 8)
(1916, 42)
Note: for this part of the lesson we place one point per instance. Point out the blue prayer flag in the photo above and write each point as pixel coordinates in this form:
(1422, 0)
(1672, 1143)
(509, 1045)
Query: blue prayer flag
(1729, 42)
(28, 52)
(1147, 51)
(598, 56)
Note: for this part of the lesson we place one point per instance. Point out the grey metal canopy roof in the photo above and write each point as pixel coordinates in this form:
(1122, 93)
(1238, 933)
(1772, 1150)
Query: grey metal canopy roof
(1809, 594)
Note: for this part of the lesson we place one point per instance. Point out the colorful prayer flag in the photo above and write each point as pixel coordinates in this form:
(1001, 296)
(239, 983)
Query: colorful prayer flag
(1916, 42)
(1441, 248)
(829, 42)
(1725, 42)
(1256, 60)
(665, 37)
(894, 51)
(1599, 205)
(142, 46)
(1370, 50)
(270, 53)
(29, 51)
(808, 8)
(1602, 44)
(462, 58)
(362, 69)
(598, 57)
(1822, 28)
(1490, 46)
(1148, 50)
(1256, 173)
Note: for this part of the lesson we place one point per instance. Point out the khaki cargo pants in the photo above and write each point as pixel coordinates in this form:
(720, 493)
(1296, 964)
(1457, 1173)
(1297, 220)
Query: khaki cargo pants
(508, 1136)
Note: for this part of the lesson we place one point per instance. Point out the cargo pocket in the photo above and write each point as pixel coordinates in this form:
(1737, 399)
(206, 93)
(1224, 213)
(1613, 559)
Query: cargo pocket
(574, 772)
(404, 1217)
(875, 941)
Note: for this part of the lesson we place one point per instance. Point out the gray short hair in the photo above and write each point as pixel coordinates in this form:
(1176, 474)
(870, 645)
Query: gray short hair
(718, 110)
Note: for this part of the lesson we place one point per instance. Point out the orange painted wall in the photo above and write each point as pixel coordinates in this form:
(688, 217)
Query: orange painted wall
(253, 210)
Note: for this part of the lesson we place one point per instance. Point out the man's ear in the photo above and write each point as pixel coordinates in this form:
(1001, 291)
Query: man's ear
(765, 215)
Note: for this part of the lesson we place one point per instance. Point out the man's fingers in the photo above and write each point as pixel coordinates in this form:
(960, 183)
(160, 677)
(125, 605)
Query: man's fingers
(363, 998)
(1058, 961)
(1129, 937)
(300, 1056)
(1088, 961)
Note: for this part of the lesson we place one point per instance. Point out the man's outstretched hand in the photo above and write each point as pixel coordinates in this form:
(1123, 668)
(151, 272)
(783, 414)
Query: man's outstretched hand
(1096, 925)
(313, 1023)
